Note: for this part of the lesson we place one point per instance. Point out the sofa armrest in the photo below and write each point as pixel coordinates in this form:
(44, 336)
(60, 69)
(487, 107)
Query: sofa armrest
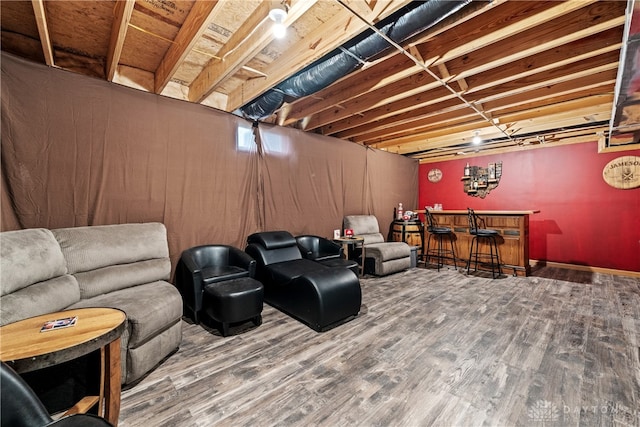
(189, 282)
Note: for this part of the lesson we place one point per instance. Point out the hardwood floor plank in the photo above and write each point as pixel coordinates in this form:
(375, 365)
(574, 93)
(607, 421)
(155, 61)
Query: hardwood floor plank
(427, 348)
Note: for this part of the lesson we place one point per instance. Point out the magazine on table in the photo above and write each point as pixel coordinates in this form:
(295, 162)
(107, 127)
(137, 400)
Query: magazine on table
(59, 324)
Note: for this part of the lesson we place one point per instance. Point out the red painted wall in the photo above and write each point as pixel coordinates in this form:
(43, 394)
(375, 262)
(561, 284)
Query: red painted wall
(582, 219)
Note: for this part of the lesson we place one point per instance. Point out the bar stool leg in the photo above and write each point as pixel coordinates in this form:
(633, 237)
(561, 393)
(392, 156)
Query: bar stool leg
(453, 252)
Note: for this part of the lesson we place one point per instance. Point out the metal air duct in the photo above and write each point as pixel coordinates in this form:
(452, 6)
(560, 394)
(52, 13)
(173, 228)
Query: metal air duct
(402, 25)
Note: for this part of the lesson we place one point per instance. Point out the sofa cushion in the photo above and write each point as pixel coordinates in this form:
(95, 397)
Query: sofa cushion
(362, 224)
(365, 226)
(90, 248)
(40, 298)
(388, 250)
(142, 359)
(28, 256)
(372, 238)
(115, 277)
(150, 309)
(391, 266)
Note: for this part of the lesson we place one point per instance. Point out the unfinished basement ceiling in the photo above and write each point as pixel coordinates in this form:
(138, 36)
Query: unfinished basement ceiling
(516, 73)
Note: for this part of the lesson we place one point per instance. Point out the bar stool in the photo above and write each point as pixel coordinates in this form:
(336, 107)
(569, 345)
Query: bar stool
(440, 253)
(488, 236)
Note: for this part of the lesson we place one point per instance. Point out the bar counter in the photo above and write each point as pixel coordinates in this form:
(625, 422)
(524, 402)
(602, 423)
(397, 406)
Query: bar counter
(513, 242)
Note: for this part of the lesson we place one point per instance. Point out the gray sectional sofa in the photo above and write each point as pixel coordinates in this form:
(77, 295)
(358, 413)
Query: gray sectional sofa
(124, 266)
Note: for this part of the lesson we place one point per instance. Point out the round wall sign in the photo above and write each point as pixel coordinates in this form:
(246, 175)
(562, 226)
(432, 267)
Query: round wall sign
(434, 175)
(623, 172)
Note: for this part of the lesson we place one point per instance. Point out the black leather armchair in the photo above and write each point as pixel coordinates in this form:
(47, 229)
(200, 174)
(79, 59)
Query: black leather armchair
(202, 265)
(22, 408)
(317, 295)
(325, 252)
(318, 248)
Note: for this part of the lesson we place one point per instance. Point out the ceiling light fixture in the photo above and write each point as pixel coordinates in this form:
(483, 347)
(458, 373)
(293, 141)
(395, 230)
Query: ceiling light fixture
(278, 14)
(476, 138)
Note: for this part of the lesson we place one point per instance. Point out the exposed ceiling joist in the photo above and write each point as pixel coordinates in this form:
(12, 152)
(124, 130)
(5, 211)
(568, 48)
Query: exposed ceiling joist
(320, 41)
(122, 15)
(243, 45)
(515, 71)
(194, 26)
(43, 30)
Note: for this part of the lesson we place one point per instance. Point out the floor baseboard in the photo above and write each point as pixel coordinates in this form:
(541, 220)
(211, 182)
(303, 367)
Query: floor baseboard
(535, 262)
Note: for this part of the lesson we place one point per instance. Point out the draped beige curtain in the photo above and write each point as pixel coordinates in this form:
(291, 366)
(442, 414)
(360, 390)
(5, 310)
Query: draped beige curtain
(80, 151)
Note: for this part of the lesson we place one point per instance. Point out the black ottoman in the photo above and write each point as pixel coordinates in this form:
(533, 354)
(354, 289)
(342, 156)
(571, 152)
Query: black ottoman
(234, 301)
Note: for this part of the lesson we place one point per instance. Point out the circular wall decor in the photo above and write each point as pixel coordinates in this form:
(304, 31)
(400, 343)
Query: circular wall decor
(434, 175)
(623, 172)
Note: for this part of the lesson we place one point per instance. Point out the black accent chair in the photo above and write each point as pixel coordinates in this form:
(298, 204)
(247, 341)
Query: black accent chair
(325, 252)
(218, 279)
(440, 252)
(319, 296)
(22, 408)
(488, 236)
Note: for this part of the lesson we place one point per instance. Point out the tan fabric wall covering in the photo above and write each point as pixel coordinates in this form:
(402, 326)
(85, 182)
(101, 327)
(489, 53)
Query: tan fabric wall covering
(78, 151)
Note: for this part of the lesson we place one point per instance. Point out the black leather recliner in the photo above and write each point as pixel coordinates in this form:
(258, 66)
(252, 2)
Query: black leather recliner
(317, 295)
(22, 408)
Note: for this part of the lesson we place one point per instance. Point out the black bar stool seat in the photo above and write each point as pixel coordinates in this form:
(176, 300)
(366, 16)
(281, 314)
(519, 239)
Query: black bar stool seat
(487, 236)
(440, 252)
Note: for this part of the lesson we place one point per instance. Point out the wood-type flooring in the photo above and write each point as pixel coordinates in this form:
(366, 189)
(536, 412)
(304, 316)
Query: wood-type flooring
(558, 348)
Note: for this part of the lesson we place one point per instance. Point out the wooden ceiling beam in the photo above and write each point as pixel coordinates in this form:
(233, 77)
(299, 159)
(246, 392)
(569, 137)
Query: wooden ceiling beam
(322, 40)
(393, 68)
(190, 32)
(242, 47)
(372, 97)
(447, 120)
(435, 105)
(496, 149)
(492, 32)
(122, 15)
(43, 31)
(569, 38)
(466, 48)
(560, 112)
(413, 108)
(562, 115)
(540, 97)
(595, 65)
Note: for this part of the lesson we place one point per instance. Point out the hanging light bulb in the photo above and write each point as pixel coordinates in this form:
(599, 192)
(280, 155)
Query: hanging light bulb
(476, 138)
(278, 14)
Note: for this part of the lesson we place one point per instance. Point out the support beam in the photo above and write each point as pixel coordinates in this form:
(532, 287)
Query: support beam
(122, 15)
(335, 32)
(241, 48)
(194, 26)
(43, 30)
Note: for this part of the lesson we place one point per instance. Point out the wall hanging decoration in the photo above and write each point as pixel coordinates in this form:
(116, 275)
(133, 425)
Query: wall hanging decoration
(478, 181)
(434, 175)
(623, 172)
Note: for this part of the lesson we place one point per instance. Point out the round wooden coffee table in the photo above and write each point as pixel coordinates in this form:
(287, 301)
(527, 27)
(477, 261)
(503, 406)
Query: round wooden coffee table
(25, 348)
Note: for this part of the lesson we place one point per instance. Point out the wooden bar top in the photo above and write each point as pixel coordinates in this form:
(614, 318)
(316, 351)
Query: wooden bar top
(459, 212)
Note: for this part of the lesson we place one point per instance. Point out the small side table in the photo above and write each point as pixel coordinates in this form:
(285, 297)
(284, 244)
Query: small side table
(354, 242)
(25, 349)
